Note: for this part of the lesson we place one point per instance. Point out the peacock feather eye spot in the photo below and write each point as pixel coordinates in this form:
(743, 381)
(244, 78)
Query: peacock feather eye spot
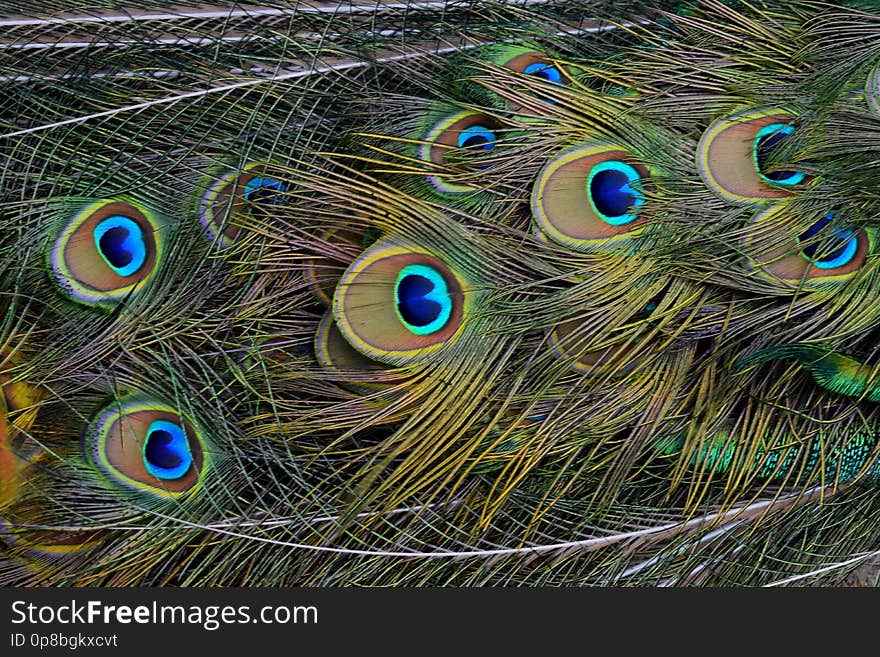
(477, 137)
(767, 141)
(611, 192)
(106, 251)
(423, 300)
(547, 72)
(166, 450)
(837, 251)
(147, 447)
(399, 304)
(228, 193)
(735, 156)
(456, 145)
(533, 64)
(590, 197)
(529, 62)
(828, 251)
(120, 242)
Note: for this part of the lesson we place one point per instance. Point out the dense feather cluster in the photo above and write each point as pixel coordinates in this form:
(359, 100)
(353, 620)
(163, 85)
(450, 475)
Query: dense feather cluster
(515, 292)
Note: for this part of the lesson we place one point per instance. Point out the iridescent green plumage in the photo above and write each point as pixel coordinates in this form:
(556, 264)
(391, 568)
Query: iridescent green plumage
(495, 293)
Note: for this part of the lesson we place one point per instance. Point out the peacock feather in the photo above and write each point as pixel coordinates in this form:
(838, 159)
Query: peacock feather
(518, 292)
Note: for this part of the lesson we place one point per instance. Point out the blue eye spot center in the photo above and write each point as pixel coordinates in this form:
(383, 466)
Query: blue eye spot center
(112, 245)
(120, 242)
(767, 141)
(543, 70)
(477, 137)
(613, 191)
(264, 191)
(836, 250)
(166, 450)
(423, 300)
